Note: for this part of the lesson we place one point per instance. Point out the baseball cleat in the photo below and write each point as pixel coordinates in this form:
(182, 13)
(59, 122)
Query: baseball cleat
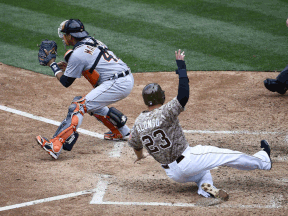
(266, 147)
(221, 194)
(111, 136)
(48, 147)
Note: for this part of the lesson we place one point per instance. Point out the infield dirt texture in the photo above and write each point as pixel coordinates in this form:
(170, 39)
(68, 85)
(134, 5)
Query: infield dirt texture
(226, 109)
(229, 107)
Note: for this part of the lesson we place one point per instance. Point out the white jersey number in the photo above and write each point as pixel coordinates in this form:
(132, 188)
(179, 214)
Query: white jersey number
(148, 141)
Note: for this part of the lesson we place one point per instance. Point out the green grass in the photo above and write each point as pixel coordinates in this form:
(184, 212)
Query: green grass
(215, 34)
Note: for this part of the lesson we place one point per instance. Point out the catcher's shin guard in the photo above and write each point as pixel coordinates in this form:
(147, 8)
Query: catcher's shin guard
(66, 135)
(66, 132)
(61, 141)
(113, 120)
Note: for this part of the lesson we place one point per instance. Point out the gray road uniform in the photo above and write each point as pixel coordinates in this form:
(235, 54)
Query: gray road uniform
(110, 77)
(110, 88)
(161, 134)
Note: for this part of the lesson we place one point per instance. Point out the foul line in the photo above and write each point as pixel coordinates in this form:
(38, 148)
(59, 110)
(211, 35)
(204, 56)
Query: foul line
(47, 199)
(100, 136)
(117, 146)
(228, 132)
(188, 205)
(39, 118)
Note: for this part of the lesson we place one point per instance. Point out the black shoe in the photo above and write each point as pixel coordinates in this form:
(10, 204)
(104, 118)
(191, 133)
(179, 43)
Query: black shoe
(275, 86)
(266, 147)
(282, 90)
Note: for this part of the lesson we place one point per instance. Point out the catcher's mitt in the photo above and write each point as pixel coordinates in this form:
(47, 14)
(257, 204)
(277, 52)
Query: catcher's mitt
(47, 51)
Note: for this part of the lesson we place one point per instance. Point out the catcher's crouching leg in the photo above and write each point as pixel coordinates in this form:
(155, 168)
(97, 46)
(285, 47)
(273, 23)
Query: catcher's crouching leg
(66, 135)
(114, 120)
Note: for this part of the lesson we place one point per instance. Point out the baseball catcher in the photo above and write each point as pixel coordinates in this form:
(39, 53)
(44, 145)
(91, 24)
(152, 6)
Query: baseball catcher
(158, 130)
(109, 76)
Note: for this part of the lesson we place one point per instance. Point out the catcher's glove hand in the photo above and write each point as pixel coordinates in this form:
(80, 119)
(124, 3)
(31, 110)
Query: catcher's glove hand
(47, 51)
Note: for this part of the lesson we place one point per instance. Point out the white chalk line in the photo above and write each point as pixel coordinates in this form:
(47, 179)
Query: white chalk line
(100, 190)
(103, 184)
(98, 196)
(49, 121)
(229, 132)
(116, 151)
(47, 200)
(188, 205)
(117, 146)
(100, 136)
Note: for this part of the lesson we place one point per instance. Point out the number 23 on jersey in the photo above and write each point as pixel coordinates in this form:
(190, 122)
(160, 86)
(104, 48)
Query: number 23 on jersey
(149, 141)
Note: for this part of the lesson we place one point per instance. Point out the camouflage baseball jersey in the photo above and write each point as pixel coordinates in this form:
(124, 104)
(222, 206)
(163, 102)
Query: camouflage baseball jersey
(159, 131)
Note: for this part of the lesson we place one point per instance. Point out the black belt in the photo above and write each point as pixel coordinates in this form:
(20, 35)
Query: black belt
(178, 160)
(124, 73)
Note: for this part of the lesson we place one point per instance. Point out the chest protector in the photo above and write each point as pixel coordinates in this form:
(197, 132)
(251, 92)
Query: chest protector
(92, 77)
(91, 74)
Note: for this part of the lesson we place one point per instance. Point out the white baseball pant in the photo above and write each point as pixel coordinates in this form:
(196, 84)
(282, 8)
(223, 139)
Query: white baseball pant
(199, 160)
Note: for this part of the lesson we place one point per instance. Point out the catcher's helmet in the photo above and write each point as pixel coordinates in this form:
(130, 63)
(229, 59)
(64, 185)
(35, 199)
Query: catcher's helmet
(153, 94)
(73, 27)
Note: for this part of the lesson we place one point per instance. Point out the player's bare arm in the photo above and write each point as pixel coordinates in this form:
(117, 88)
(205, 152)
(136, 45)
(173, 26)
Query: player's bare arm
(140, 155)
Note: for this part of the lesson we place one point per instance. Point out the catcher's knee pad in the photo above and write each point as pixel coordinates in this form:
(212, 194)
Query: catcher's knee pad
(66, 132)
(113, 120)
(117, 118)
(80, 104)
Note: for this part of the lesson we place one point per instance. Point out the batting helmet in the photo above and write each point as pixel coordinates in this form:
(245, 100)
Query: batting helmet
(73, 27)
(153, 94)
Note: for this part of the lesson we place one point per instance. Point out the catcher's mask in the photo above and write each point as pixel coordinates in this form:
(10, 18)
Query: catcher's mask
(153, 94)
(73, 27)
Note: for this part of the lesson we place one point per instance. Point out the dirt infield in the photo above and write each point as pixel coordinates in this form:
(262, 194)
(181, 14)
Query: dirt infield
(226, 109)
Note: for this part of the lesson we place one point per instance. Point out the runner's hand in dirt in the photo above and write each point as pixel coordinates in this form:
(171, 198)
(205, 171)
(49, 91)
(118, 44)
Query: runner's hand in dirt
(141, 157)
